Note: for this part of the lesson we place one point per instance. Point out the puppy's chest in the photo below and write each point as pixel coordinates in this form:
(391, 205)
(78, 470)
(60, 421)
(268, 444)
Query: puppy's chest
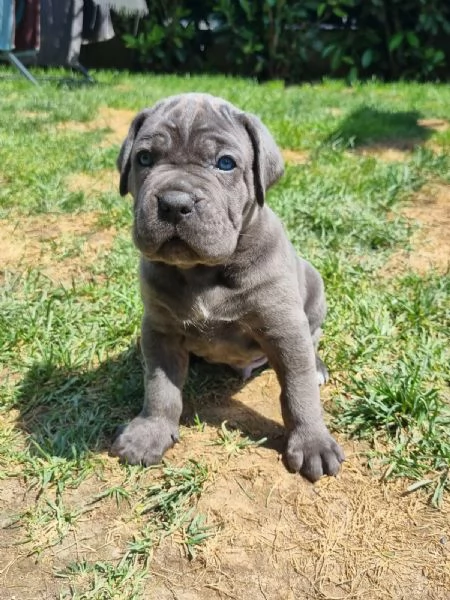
(215, 332)
(208, 312)
(212, 323)
(201, 312)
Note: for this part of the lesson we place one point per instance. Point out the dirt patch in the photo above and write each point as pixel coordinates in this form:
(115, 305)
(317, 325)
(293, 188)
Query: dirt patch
(100, 533)
(436, 124)
(384, 153)
(430, 245)
(393, 151)
(61, 246)
(94, 185)
(399, 150)
(115, 121)
(295, 157)
(277, 536)
(334, 111)
(124, 87)
(16, 569)
(281, 537)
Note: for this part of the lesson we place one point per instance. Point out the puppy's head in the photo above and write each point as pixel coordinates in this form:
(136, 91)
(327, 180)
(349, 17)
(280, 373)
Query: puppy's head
(197, 168)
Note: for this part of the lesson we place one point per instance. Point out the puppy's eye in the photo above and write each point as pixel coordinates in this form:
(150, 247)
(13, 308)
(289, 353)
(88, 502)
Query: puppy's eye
(145, 158)
(226, 163)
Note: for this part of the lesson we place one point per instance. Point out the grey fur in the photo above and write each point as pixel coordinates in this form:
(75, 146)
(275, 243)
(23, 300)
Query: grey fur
(219, 277)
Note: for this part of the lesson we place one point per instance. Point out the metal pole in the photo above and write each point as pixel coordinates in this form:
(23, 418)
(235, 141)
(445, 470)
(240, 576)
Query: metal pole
(25, 72)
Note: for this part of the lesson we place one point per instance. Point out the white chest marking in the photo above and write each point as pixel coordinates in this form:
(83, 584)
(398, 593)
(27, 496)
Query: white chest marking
(201, 311)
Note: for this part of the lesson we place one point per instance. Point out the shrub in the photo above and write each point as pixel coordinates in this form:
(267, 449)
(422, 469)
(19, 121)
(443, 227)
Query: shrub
(295, 40)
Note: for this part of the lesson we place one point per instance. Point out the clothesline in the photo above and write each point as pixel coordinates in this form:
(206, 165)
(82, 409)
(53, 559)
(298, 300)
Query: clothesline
(52, 31)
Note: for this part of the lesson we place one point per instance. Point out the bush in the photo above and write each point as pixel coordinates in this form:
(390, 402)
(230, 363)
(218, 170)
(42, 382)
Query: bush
(295, 40)
(388, 38)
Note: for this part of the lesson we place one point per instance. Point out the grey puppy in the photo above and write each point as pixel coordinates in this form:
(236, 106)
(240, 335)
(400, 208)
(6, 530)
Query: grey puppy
(219, 277)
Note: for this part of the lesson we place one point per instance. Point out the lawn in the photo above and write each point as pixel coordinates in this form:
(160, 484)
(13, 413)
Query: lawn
(365, 198)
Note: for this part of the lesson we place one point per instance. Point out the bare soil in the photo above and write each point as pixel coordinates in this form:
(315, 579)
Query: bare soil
(277, 536)
(94, 184)
(430, 245)
(61, 246)
(295, 157)
(115, 121)
(400, 150)
(391, 153)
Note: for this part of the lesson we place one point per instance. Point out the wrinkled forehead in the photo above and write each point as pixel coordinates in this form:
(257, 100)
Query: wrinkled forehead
(194, 121)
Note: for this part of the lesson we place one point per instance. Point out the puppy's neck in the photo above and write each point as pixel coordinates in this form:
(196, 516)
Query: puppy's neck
(258, 231)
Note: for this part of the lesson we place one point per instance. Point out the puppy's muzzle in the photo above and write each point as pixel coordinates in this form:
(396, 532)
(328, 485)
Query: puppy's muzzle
(175, 206)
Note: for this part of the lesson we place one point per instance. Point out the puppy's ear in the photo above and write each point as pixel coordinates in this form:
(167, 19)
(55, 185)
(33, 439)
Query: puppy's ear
(123, 160)
(268, 165)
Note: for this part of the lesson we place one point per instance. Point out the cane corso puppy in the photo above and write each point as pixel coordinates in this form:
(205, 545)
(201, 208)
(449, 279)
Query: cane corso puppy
(219, 278)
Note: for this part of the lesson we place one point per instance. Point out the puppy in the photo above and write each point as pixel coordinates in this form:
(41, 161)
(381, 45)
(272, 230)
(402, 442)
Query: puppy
(219, 277)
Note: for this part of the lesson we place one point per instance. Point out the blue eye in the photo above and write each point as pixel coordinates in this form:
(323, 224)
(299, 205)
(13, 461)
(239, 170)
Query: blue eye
(226, 163)
(144, 158)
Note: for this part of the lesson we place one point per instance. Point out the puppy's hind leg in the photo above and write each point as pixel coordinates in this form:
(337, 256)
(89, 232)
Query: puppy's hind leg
(311, 286)
(321, 368)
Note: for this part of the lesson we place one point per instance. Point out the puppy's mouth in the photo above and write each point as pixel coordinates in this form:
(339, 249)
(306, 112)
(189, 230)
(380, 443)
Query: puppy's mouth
(175, 245)
(175, 251)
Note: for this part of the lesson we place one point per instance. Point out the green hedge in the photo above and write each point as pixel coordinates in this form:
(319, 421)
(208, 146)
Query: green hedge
(293, 41)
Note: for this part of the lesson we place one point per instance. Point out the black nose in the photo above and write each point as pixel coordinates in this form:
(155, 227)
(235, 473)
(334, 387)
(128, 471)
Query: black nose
(174, 206)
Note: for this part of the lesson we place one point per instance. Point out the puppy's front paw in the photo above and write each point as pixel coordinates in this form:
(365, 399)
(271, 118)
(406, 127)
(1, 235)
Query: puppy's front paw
(144, 441)
(313, 453)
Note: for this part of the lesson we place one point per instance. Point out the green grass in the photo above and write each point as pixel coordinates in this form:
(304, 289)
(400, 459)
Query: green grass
(232, 440)
(70, 368)
(402, 399)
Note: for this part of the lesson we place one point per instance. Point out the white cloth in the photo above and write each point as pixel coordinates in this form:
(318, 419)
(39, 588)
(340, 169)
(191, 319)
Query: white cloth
(129, 7)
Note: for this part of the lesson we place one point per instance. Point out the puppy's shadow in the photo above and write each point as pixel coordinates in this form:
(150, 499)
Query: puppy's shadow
(71, 413)
(210, 396)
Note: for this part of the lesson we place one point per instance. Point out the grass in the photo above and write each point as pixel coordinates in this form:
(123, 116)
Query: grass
(71, 370)
(232, 441)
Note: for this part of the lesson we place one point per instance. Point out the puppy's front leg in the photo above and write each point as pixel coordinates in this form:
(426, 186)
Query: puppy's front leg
(147, 437)
(286, 339)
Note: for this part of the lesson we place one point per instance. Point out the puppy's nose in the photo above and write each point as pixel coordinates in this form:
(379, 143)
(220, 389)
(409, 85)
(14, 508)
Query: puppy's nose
(174, 206)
